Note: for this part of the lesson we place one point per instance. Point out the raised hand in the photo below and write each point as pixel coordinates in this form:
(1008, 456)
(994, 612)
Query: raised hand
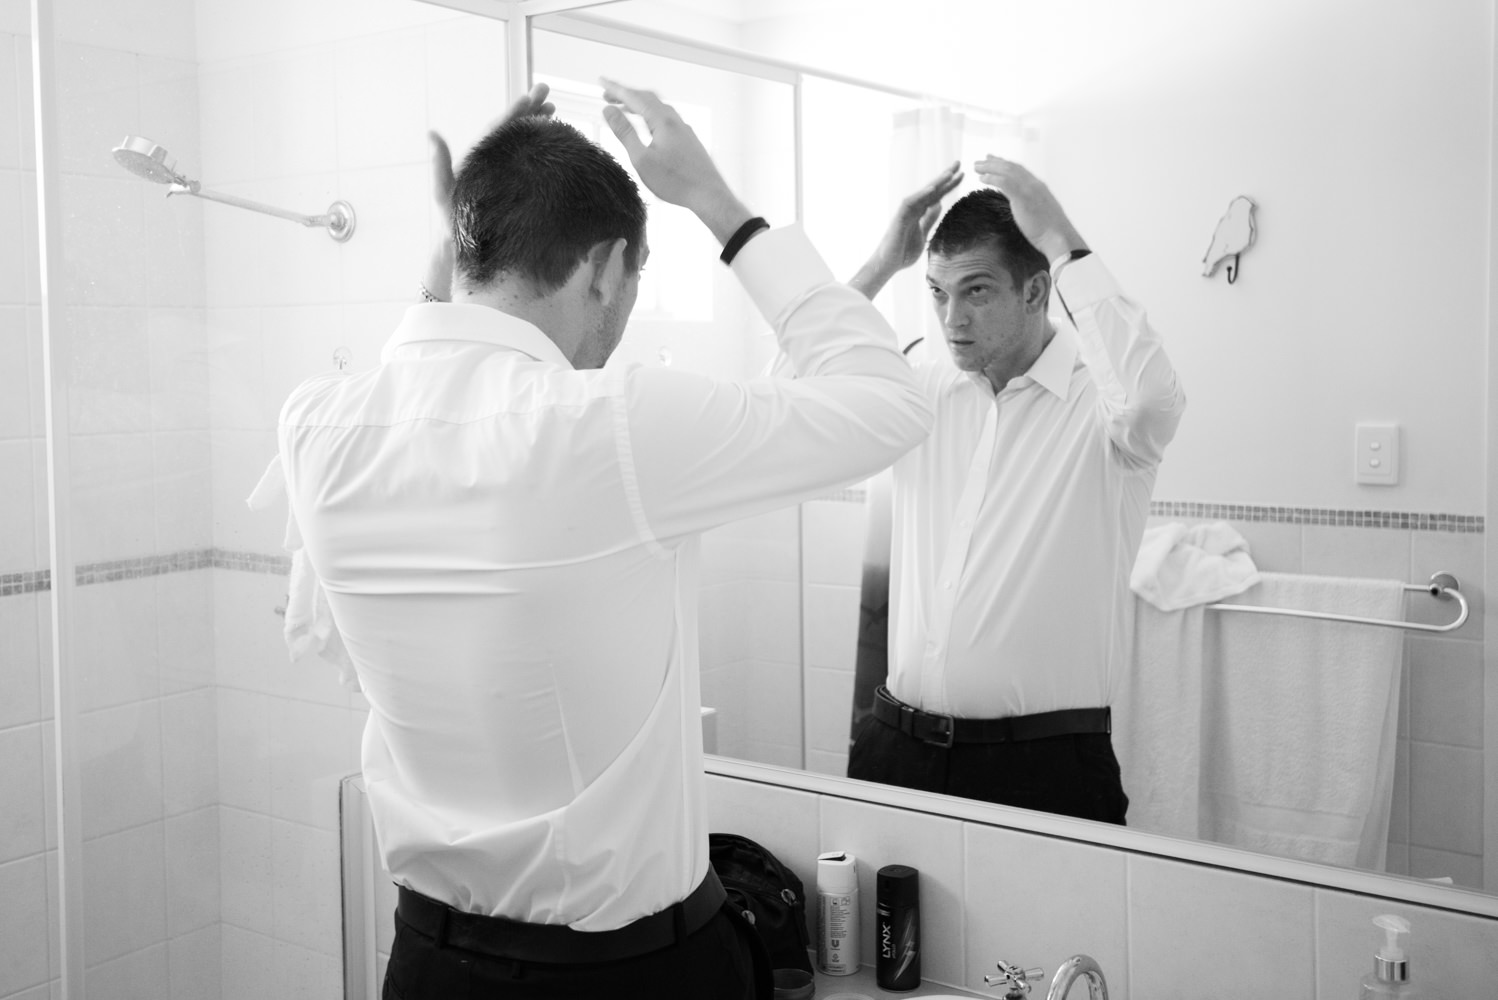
(1037, 213)
(905, 238)
(439, 271)
(674, 165)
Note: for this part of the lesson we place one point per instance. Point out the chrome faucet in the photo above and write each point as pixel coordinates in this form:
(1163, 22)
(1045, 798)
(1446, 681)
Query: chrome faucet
(1078, 965)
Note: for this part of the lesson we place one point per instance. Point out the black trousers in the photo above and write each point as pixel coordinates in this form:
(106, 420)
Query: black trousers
(720, 961)
(1074, 775)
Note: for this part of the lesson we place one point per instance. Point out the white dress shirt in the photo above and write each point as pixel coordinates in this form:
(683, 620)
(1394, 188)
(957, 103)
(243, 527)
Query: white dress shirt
(1017, 521)
(509, 548)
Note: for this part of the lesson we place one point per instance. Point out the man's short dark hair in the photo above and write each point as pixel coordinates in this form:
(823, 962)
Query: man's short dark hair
(533, 196)
(984, 216)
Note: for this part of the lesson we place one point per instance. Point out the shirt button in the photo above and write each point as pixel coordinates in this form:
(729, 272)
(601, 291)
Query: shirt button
(946, 585)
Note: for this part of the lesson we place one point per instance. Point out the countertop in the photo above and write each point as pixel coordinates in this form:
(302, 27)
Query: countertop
(863, 983)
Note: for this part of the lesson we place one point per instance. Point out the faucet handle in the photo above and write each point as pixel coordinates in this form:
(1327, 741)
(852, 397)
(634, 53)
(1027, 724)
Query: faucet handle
(1018, 980)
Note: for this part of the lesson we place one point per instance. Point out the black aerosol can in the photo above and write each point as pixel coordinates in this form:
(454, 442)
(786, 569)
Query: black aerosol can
(898, 903)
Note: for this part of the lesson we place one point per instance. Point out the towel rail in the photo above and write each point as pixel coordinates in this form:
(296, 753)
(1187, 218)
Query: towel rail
(1442, 586)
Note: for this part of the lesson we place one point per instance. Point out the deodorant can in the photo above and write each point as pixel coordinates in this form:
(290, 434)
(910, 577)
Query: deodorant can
(897, 901)
(837, 913)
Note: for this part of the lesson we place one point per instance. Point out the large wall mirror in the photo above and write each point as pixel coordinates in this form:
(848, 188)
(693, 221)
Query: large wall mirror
(1363, 134)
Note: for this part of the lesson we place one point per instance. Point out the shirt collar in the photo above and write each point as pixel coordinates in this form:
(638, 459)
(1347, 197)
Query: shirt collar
(1051, 371)
(458, 321)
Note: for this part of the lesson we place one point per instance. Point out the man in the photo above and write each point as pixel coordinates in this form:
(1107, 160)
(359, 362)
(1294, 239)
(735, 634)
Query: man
(507, 534)
(1016, 523)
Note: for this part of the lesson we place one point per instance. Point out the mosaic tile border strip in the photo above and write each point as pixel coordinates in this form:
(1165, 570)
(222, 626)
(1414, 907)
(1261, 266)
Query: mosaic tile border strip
(32, 582)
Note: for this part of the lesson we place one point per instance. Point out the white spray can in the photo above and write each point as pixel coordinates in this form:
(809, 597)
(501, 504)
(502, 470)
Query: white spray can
(837, 913)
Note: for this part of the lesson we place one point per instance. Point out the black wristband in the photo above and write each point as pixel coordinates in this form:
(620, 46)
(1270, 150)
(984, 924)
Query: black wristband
(740, 237)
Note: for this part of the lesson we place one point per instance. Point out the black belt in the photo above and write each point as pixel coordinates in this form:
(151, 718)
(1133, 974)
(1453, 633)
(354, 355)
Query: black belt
(944, 730)
(501, 937)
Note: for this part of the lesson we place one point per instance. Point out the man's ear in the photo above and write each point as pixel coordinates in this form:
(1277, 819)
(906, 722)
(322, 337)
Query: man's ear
(607, 269)
(1038, 292)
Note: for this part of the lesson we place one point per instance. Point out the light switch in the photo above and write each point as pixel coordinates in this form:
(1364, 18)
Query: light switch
(1377, 455)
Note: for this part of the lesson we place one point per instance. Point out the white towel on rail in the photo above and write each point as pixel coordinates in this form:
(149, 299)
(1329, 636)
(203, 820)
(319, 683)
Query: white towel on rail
(1157, 721)
(1181, 565)
(1299, 719)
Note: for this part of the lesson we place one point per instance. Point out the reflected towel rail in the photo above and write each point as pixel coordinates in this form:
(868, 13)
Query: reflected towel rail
(1442, 586)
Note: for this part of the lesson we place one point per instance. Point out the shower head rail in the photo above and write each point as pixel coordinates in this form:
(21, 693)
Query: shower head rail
(338, 219)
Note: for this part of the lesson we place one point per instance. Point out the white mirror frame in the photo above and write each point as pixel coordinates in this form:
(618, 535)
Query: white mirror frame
(1393, 887)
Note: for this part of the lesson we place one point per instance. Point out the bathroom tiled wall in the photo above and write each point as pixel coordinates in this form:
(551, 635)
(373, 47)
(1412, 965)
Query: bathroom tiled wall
(1436, 825)
(1158, 927)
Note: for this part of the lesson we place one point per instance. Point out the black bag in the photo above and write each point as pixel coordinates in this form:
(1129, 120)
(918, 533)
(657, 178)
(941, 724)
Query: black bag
(768, 893)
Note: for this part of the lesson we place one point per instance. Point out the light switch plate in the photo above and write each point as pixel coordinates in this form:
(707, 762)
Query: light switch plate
(1376, 458)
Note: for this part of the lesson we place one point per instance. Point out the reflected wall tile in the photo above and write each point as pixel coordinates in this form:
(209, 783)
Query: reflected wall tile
(184, 630)
(1032, 900)
(239, 460)
(772, 611)
(114, 643)
(23, 960)
(1446, 798)
(382, 261)
(249, 961)
(879, 836)
(99, 87)
(296, 114)
(246, 871)
(829, 707)
(1446, 691)
(297, 342)
(823, 762)
(16, 382)
(307, 882)
(169, 101)
(18, 542)
(141, 973)
(10, 111)
(27, 118)
(113, 497)
(179, 368)
(1275, 548)
(109, 378)
(183, 491)
(1463, 556)
(192, 845)
(226, 103)
(13, 252)
(832, 624)
(311, 753)
(1451, 954)
(195, 963)
(124, 874)
(1332, 550)
(300, 266)
(234, 253)
(119, 767)
(104, 240)
(21, 661)
(247, 632)
(176, 272)
(1180, 912)
(22, 828)
(160, 26)
(1461, 869)
(834, 542)
(243, 750)
(381, 102)
(189, 751)
(305, 974)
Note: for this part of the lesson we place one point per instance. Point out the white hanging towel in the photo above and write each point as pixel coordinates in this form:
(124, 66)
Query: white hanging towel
(1299, 720)
(309, 629)
(1180, 566)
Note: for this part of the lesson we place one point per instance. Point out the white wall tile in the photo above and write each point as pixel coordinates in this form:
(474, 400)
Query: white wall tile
(109, 375)
(114, 643)
(184, 630)
(247, 632)
(142, 973)
(824, 762)
(1461, 555)
(1445, 798)
(27, 120)
(24, 957)
(297, 342)
(22, 829)
(311, 752)
(20, 661)
(388, 252)
(192, 874)
(295, 118)
(183, 487)
(13, 252)
(189, 745)
(304, 974)
(1446, 691)
(104, 240)
(829, 709)
(381, 88)
(240, 458)
(176, 272)
(168, 103)
(10, 111)
(1034, 901)
(195, 964)
(1275, 548)
(1461, 869)
(307, 908)
(112, 496)
(247, 897)
(299, 266)
(879, 836)
(17, 507)
(159, 26)
(1332, 550)
(831, 626)
(833, 549)
(124, 880)
(179, 367)
(1180, 912)
(766, 547)
(228, 153)
(16, 384)
(243, 750)
(99, 90)
(234, 250)
(465, 78)
(249, 964)
(119, 767)
(1451, 955)
(784, 821)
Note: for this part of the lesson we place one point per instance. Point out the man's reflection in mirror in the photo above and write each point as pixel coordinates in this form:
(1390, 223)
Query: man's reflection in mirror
(1013, 528)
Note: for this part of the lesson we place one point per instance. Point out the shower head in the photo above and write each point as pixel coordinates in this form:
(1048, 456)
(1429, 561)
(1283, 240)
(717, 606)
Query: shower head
(144, 158)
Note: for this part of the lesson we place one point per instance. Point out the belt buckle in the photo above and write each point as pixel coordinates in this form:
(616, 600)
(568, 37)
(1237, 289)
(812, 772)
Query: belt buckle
(947, 735)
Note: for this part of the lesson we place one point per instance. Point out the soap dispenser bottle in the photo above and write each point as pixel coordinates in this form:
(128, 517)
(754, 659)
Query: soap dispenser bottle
(1390, 977)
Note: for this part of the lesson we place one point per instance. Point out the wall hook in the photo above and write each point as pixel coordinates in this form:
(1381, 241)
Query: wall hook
(1234, 234)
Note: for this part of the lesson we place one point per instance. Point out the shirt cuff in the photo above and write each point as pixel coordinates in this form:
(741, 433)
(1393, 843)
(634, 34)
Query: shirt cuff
(1086, 282)
(779, 267)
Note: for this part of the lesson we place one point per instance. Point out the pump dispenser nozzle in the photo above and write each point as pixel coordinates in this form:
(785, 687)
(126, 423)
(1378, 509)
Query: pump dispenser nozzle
(1391, 963)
